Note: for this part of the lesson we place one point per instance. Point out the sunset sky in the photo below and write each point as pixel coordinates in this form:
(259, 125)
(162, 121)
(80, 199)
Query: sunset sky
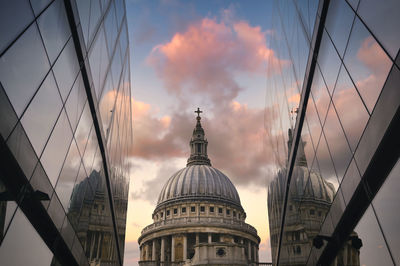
(207, 54)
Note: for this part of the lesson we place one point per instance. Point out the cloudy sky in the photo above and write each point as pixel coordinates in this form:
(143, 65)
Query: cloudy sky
(207, 54)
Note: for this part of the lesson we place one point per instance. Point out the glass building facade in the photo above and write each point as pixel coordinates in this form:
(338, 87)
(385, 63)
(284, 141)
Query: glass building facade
(333, 122)
(65, 131)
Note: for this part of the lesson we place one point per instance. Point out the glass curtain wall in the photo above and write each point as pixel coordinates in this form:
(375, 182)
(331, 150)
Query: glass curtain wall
(336, 100)
(66, 129)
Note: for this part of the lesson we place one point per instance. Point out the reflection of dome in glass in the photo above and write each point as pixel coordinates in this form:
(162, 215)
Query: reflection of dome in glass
(199, 181)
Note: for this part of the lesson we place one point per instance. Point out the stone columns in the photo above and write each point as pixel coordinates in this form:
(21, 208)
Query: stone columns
(249, 250)
(209, 238)
(172, 248)
(254, 253)
(153, 252)
(241, 242)
(197, 238)
(162, 249)
(184, 247)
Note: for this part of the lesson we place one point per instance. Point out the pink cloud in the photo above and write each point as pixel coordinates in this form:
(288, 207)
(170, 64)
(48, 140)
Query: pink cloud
(207, 55)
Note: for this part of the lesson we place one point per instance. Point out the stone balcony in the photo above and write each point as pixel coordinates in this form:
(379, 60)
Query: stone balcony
(195, 221)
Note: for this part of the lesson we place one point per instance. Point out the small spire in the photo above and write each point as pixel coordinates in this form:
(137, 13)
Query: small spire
(198, 144)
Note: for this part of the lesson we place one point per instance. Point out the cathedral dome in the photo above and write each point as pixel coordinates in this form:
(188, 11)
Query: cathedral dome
(199, 181)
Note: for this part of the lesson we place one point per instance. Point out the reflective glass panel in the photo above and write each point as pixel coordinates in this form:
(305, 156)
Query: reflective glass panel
(23, 245)
(39, 181)
(329, 62)
(374, 250)
(325, 164)
(386, 204)
(8, 119)
(382, 17)
(110, 26)
(367, 64)
(66, 69)
(337, 143)
(22, 150)
(56, 212)
(68, 175)
(17, 13)
(23, 67)
(53, 26)
(98, 59)
(56, 149)
(41, 115)
(7, 210)
(75, 102)
(83, 129)
(320, 94)
(338, 23)
(39, 5)
(350, 108)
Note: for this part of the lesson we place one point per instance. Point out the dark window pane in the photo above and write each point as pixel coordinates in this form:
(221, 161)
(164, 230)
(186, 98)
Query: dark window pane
(23, 68)
(22, 150)
(374, 250)
(39, 181)
(367, 63)
(56, 212)
(7, 210)
(14, 17)
(66, 68)
(386, 204)
(8, 118)
(75, 102)
(382, 17)
(68, 175)
(53, 26)
(329, 62)
(23, 245)
(350, 109)
(41, 115)
(56, 149)
(338, 23)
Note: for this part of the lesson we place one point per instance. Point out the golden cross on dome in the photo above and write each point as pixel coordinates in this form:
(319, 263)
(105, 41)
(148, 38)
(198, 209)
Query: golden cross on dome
(198, 112)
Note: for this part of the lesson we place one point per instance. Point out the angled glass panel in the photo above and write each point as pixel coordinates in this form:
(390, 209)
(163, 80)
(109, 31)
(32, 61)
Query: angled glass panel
(98, 59)
(23, 245)
(383, 20)
(313, 121)
(329, 62)
(120, 11)
(110, 26)
(8, 118)
(7, 210)
(320, 94)
(350, 108)
(84, 15)
(367, 64)
(39, 181)
(75, 102)
(338, 23)
(94, 18)
(83, 129)
(39, 5)
(23, 67)
(41, 115)
(385, 203)
(22, 150)
(56, 211)
(350, 181)
(325, 164)
(69, 172)
(337, 143)
(54, 28)
(374, 250)
(56, 149)
(15, 16)
(66, 69)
